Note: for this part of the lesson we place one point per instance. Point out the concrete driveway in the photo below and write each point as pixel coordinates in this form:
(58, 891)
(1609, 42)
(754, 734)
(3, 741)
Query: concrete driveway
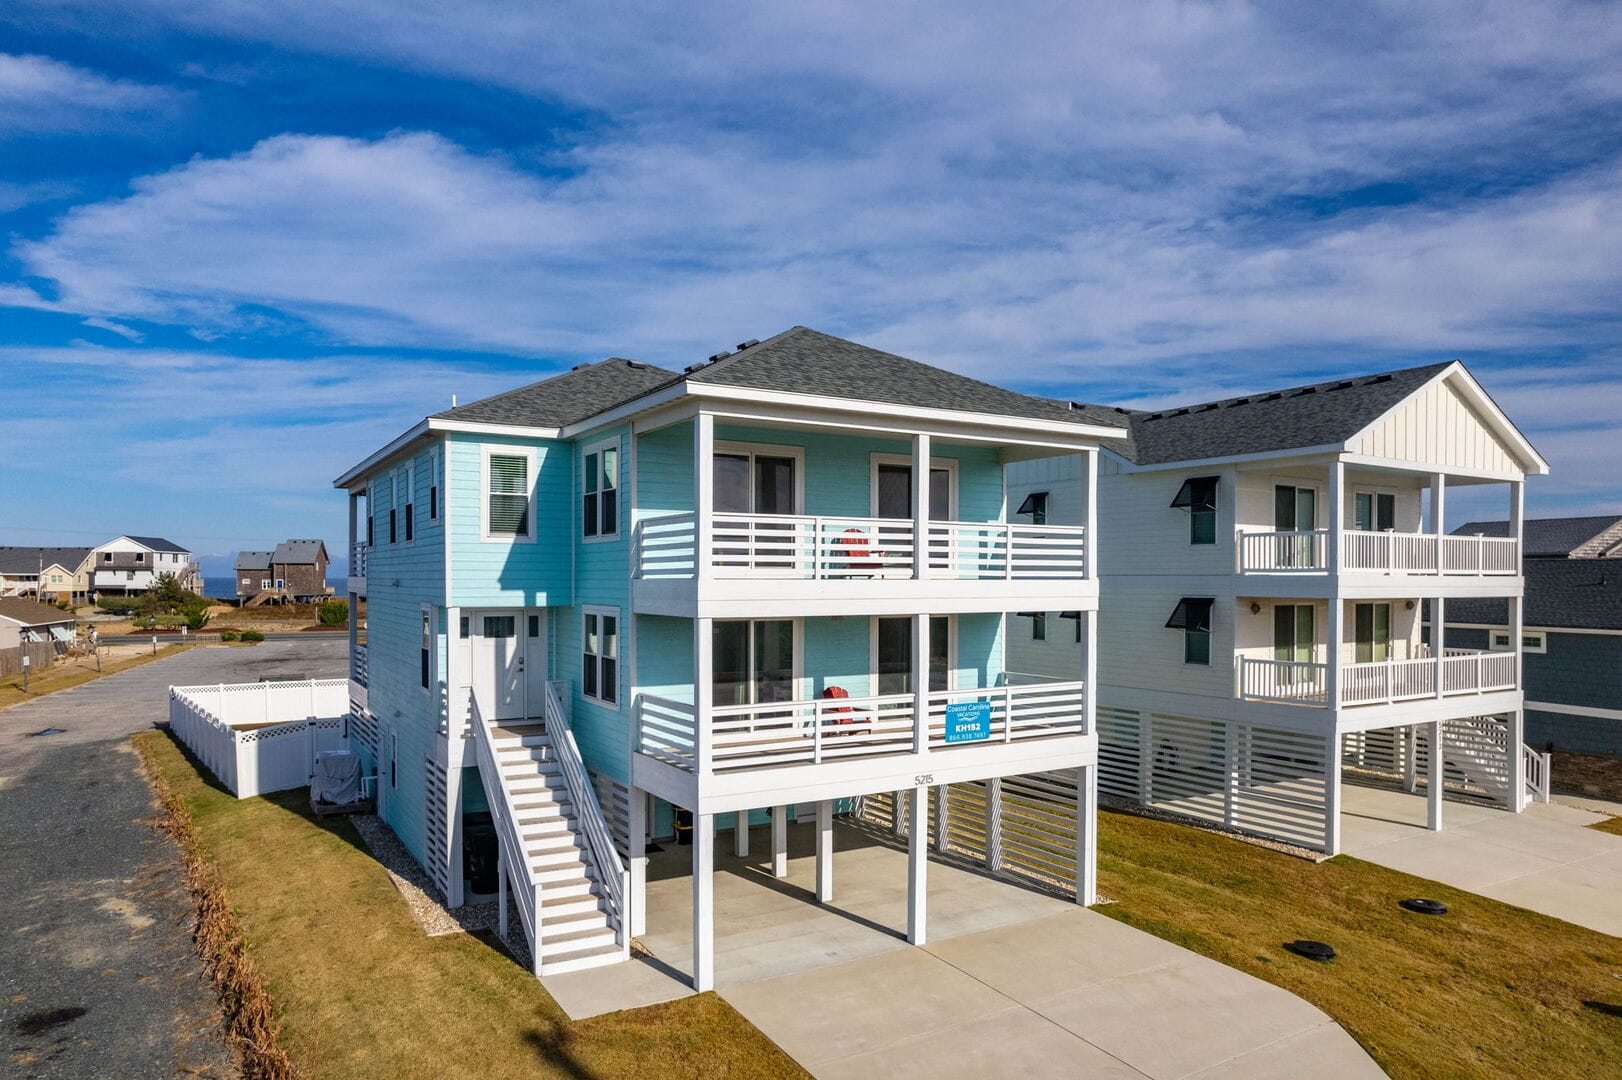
(1014, 983)
(97, 974)
(1543, 858)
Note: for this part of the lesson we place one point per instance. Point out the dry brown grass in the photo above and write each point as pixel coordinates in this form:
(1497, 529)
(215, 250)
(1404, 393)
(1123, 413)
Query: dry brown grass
(63, 674)
(1611, 825)
(359, 991)
(1488, 990)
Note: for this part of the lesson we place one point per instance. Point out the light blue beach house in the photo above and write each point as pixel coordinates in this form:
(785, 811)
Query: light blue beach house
(626, 602)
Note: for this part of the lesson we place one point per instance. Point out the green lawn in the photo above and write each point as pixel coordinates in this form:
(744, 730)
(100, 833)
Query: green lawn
(1610, 825)
(360, 992)
(1488, 990)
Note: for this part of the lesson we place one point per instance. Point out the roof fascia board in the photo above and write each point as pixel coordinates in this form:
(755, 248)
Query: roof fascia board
(1531, 461)
(1531, 629)
(833, 420)
(1421, 469)
(379, 456)
(651, 400)
(809, 405)
(1230, 459)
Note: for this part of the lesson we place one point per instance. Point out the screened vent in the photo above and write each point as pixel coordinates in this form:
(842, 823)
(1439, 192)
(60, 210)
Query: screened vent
(1197, 493)
(1191, 613)
(509, 495)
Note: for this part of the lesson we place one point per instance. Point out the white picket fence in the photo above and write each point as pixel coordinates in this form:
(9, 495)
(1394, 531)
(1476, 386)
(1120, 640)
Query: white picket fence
(260, 737)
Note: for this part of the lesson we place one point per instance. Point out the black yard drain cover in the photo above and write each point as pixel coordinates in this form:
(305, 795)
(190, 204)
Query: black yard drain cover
(48, 731)
(1424, 907)
(1312, 950)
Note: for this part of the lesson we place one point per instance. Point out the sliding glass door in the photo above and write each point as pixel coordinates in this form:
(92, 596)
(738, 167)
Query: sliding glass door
(893, 662)
(753, 662)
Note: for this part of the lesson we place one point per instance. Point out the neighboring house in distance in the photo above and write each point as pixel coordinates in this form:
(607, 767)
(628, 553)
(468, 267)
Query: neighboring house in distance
(26, 622)
(1572, 637)
(1263, 571)
(132, 564)
(296, 571)
(775, 584)
(47, 573)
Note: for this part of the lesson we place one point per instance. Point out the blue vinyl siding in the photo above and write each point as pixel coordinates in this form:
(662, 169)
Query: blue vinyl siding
(502, 573)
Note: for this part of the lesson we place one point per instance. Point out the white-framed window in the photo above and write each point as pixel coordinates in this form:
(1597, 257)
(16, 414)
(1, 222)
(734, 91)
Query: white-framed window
(1530, 642)
(600, 654)
(410, 502)
(1199, 495)
(599, 490)
(890, 486)
(265, 583)
(394, 507)
(426, 645)
(1374, 510)
(509, 485)
(433, 484)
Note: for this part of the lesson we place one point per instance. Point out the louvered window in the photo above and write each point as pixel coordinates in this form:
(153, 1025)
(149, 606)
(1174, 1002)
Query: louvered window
(509, 495)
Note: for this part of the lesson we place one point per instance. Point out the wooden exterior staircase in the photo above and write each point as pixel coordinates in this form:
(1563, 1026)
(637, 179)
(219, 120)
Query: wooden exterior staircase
(568, 882)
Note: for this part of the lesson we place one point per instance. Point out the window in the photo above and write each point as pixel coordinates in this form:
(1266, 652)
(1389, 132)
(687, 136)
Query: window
(1036, 505)
(140, 556)
(752, 661)
(106, 556)
(600, 650)
(600, 491)
(264, 583)
(1532, 643)
(433, 486)
(427, 647)
(1039, 626)
(1076, 616)
(462, 627)
(507, 504)
(1198, 496)
(1193, 617)
(410, 494)
(894, 661)
(394, 759)
(1372, 629)
(1374, 511)
(371, 532)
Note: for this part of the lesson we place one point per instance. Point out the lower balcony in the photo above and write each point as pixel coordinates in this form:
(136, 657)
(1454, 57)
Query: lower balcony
(1382, 682)
(786, 751)
(357, 673)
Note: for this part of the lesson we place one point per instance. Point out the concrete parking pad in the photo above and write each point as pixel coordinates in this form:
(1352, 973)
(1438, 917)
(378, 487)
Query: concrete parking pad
(1544, 858)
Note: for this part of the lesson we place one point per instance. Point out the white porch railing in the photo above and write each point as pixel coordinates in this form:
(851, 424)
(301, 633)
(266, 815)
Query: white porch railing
(357, 663)
(1306, 551)
(1536, 765)
(357, 559)
(1381, 682)
(524, 891)
(826, 548)
(260, 737)
(830, 729)
(611, 870)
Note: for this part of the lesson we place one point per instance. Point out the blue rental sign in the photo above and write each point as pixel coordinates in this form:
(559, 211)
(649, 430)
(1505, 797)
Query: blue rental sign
(968, 721)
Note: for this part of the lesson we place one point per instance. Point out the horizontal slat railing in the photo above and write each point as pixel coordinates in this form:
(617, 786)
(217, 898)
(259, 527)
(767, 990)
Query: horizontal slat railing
(1033, 710)
(825, 547)
(358, 554)
(1386, 552)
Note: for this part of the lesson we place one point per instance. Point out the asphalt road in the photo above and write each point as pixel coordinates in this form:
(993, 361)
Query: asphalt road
(97, 974)
(273, 635)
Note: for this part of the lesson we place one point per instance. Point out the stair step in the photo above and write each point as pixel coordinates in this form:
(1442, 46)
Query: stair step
(530, 784)
(547, 825)
(558, 925)
(558, 858)
(561, 907)
(581, 959)
(585, 937)
(569, 890)
(553, 844)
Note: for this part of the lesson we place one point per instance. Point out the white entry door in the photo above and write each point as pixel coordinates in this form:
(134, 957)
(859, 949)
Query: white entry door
(509, 662)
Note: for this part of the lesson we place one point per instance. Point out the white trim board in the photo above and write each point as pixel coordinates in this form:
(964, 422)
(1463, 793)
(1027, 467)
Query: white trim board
(1573, 710)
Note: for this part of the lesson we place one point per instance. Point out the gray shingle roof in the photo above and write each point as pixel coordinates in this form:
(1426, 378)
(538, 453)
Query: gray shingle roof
(253, 560)
(158, 543)
(1319, 414)
(297, 552)
(564, 399)
(30, 613)
(1557, 538)
(805, 361)
(26, 560)
(1582, 594)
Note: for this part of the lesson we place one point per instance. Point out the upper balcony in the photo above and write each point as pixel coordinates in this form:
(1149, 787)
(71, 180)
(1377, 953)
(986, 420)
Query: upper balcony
(1461, 673)
(849, 560)
(358, 555)
(1388, 553)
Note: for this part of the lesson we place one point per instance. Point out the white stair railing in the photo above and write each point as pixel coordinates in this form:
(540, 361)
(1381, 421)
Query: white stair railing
(1536, 765)
(593, 824)
(514, 861)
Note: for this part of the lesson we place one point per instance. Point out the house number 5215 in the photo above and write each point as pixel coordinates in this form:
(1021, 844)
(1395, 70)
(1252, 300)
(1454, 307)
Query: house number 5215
(923, 779)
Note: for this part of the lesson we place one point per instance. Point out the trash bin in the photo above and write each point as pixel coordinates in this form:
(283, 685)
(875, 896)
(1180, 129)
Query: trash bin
(684, 826)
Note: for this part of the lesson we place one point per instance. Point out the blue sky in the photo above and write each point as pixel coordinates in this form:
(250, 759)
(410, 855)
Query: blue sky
(245, 244)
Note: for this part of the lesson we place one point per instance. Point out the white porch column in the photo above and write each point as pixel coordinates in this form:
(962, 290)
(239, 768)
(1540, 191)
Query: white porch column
(740, 834)
(636, 814)
(1439, 512)
(1086, 835)
(920, 505)
(1438, 636)
(501, 894)
(780, 841)
(917, 865)
(1433, 777)
(703, 495)
(1089, 510)
(1517, 761)
(453, 820)
(703, 694)
(703, 902)
(1517, 631)
(1517, 513)
(825, 851)
(1337, 610)
(920, 686)
(1410, 767)
(943, 837)
(1332, 797)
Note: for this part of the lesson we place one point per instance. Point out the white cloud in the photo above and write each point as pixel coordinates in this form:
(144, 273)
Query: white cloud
(42, 95)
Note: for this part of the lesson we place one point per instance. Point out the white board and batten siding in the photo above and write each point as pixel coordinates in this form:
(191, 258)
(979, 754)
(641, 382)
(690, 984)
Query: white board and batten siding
(1437, 427)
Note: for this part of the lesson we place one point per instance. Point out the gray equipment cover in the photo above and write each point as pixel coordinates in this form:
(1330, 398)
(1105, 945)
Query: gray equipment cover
(337, 778)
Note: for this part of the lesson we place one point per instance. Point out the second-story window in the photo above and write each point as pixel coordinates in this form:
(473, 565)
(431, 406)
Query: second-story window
(427, 655)
(433, 486)
(410, 493)
(599, 513)
(1036, 505)
(1198, 496)
(508, 498)
(1193, 617)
